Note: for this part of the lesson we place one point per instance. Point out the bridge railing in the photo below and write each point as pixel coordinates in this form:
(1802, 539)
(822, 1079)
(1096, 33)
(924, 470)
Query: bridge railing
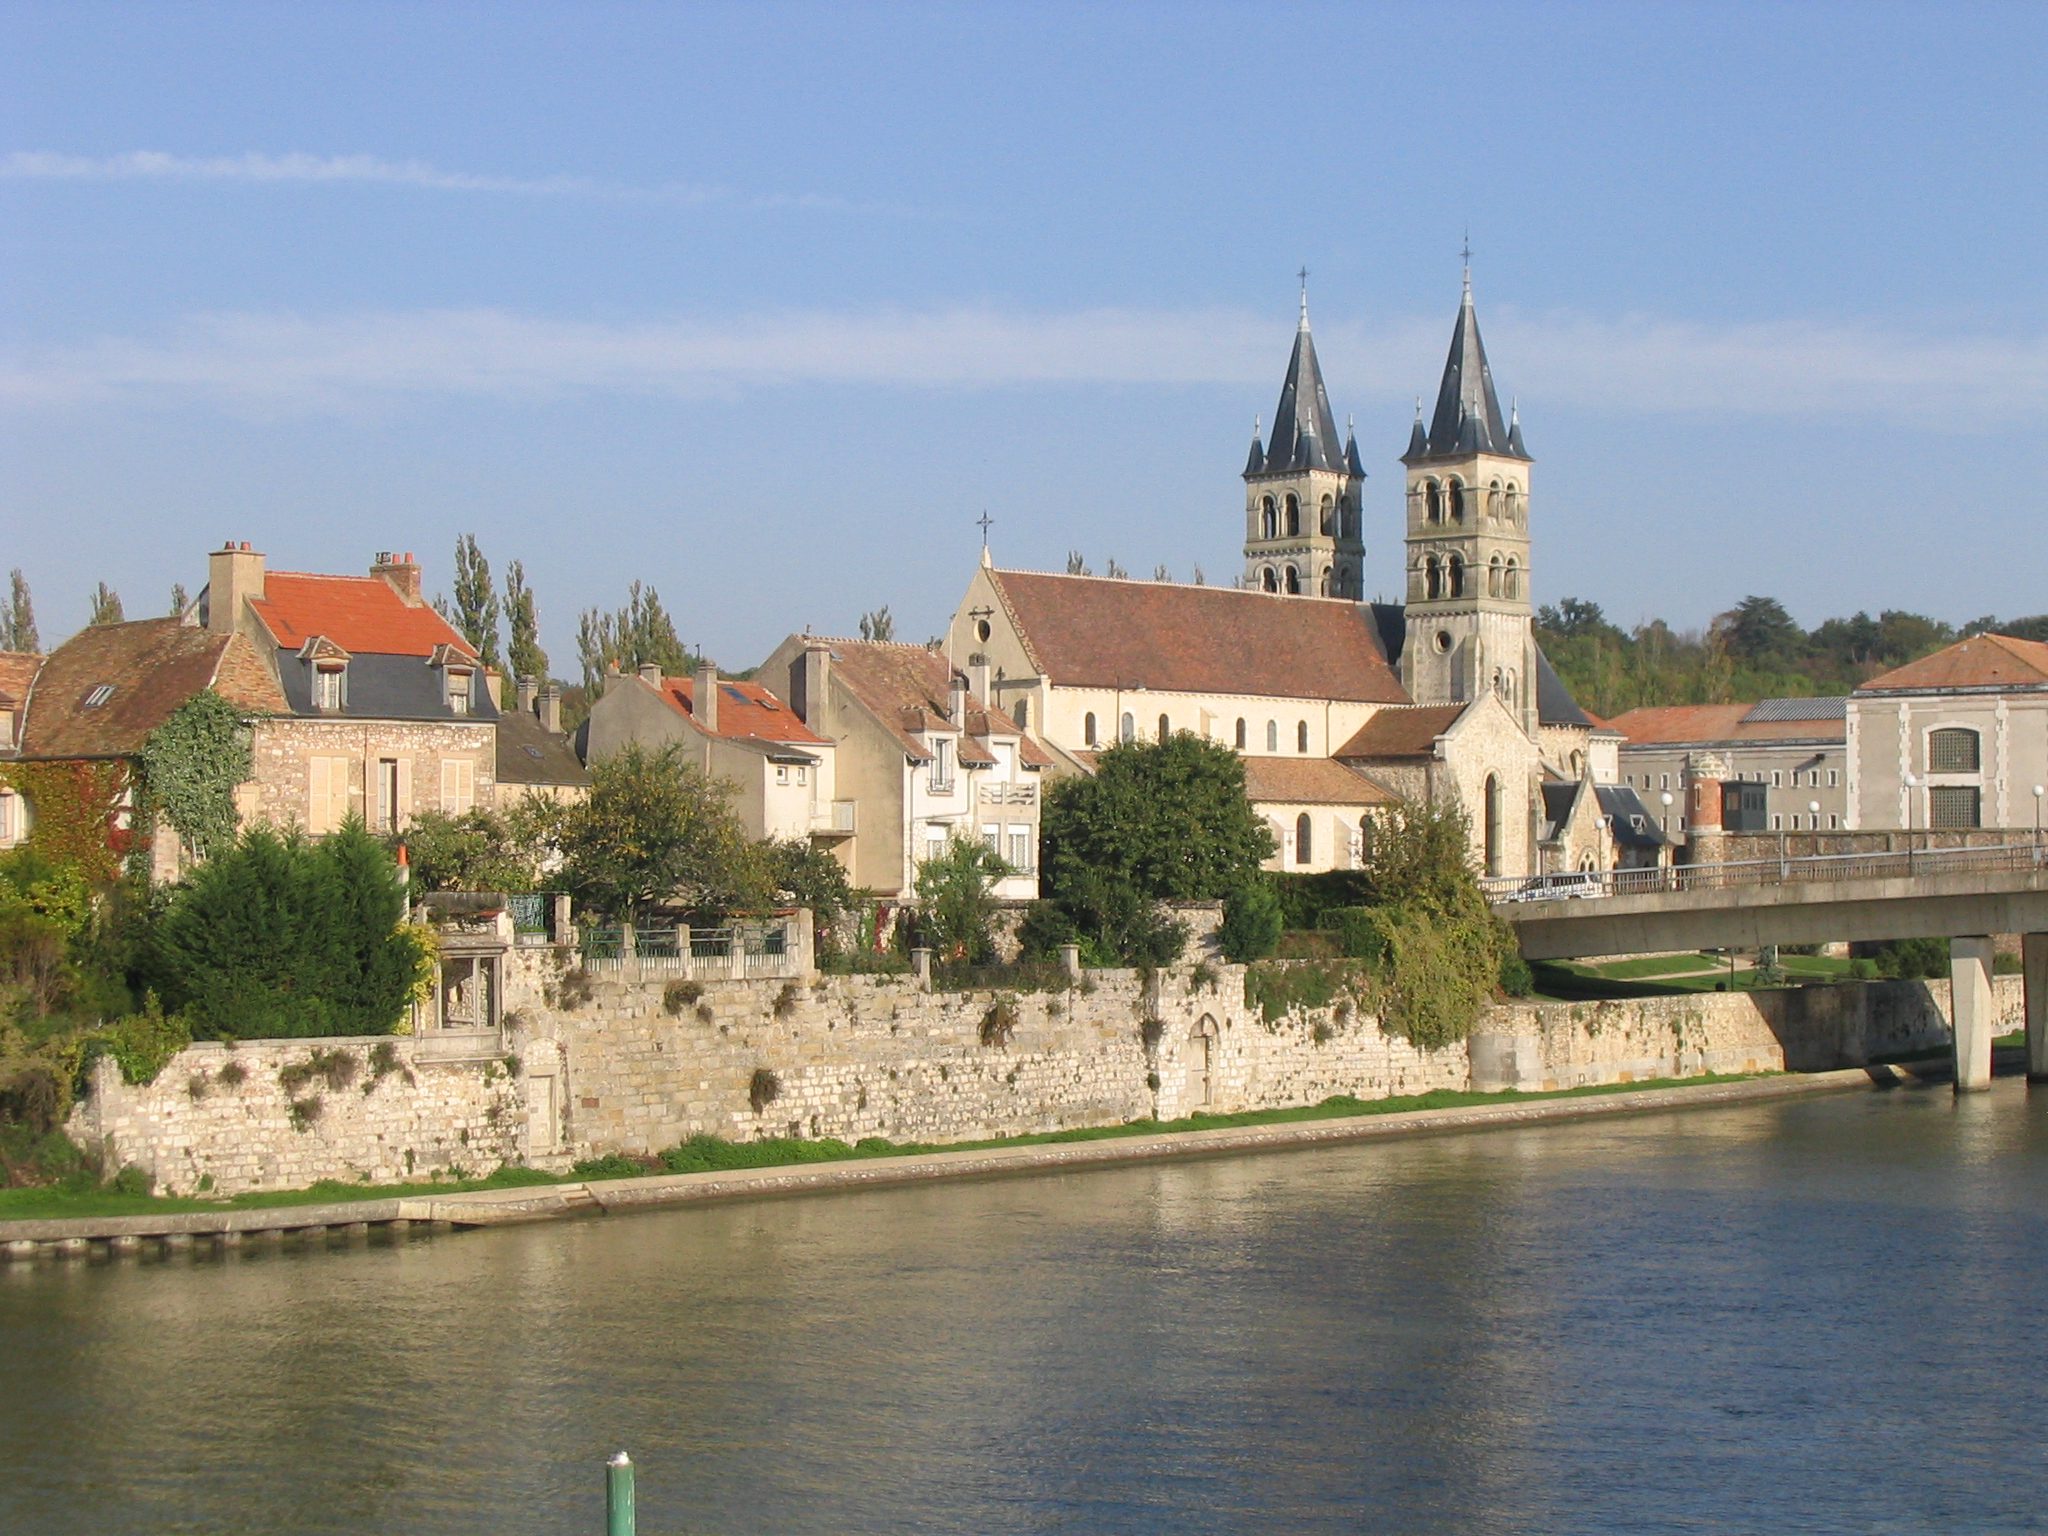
(1816, 868)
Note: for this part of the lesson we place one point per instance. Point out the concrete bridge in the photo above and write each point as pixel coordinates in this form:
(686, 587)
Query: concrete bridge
(1964, 895)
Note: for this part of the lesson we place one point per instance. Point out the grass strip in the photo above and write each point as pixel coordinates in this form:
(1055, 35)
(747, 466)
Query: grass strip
(712, 1154)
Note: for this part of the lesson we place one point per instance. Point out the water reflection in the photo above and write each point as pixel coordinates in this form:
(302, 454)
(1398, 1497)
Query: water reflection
(1813, 1315)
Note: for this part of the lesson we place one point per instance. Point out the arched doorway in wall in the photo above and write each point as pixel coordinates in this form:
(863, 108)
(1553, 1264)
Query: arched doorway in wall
(1492, 824)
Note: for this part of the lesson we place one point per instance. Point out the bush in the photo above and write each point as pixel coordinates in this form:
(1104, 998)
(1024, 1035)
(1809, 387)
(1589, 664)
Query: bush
(1516, 980)
(1358, 936)
(1308, 944)
(142, 1043)
(1252, 922)
(764, 1089)
(1044, 927)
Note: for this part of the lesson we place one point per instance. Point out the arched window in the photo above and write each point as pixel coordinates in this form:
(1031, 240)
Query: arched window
(1325, 586)
(1329, 521)
(1432, 500)
(1301, 737)
(1493, 502)
(1293, 581)
(1165, 728)
(1454, 575)
(1293, 516)
(1088, 728)
(1365, 839)
(1457, 501)
(1433, 579)
(1493, 588)
(1514, 503)
(1511, 584)
(1492, 825)
(1240, 733)
(1500, 682)
(1272, 735)
(1304, 849)
(1269, 519)
(1953, 750)
(1268, 581)
(1023, 714)
(1127, 728)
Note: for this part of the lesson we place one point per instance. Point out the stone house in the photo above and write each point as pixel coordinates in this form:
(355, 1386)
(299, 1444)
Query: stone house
(17, 671)
(781, 771)
(1790, 753)
(922, 758)
(535, 756)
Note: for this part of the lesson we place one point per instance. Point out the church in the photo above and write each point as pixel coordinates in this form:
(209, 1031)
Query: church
(1337, 704)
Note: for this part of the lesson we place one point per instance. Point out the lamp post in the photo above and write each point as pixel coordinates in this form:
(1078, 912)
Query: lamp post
(1670, 856)
(1912, 785)
(1813, 824)
(2039, 791)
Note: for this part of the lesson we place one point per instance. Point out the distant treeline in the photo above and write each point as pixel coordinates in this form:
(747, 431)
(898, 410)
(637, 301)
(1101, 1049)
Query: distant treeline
(1756, 650)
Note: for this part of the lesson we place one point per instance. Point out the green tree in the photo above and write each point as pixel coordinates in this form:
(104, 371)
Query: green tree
(632, 636)
(878, 625)
(106, 606)
(655, 829)
(476, 601)
(179, 601)
(800, 872)
(475, 851)
(523, 652)
(956, 900)
(18, 626)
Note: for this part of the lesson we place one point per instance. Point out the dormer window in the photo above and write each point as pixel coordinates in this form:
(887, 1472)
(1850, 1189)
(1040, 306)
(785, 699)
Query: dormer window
(330, 685)
(458, 690)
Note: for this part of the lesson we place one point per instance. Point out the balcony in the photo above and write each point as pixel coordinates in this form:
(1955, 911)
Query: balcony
(1009, 794)
(834, 820)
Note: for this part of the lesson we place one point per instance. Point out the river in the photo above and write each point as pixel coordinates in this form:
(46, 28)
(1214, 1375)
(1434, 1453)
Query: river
(1823, 1314)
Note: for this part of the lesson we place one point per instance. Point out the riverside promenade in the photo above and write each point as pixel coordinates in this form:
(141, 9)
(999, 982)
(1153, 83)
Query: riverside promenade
(227, 1229)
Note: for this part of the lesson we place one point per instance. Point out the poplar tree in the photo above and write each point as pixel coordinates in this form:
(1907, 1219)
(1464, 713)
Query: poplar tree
(18, 624)
(632, 636)
(476, 602)
(179, 602)
(106, 606)
(523, 654)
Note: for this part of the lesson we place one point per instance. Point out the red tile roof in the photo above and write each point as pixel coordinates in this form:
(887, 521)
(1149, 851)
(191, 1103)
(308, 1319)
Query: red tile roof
(17, 671)
(907, 688)
(1310, 781)
(1401, 732)
(151, 667)
(1086, 631)
(745, 710)
(1983, 661)
(364, 615)
(1672, 724)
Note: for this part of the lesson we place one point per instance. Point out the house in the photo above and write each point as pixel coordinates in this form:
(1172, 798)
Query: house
(535, 756)
(17, 671)
(1778, 759)
(97, 698)
(1954, 741)
(386, 711)
(921, 758)
(780, 769)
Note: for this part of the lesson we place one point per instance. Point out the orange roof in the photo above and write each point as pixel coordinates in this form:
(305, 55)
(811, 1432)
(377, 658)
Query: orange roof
(744, 710)
(1310, 781)
(17, 671)
(1983, 661)
(1674, 724)
(1402, 732)
(149, 668)
(364, 615)
(908, 688)
(1087, 631)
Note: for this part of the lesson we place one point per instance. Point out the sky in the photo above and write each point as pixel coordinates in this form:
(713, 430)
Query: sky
(765, 305)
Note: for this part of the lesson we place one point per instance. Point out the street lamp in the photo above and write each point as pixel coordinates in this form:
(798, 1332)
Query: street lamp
(1670, 857)
(1813, 824)
(1912, 784)
(2039, 791)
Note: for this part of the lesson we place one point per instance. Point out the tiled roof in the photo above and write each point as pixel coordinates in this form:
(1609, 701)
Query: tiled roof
(907, 688)
(529, 753)
(17, 671)
(1983, 661)
(1087, 631)
(1310, 781)
(744, 710)
(1401, 732)
(150, 667)
(364, 615)
(1688, 724)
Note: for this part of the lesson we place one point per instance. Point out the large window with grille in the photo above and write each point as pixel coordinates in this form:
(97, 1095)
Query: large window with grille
(1953, 750)
(1955, 805)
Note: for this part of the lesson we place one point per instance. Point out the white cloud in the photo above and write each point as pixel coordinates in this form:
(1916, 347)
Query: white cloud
(154, 165)
(1629, 365)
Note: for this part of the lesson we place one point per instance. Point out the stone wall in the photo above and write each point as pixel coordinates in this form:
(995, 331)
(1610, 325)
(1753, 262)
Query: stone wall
(222, 1120)
(284, 748)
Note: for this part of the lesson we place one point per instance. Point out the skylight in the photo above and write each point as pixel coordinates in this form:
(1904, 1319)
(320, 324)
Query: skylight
(99, 696)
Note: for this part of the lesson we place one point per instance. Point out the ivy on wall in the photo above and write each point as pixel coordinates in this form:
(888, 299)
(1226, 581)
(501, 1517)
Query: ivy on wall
(74, 808)
(191, 765)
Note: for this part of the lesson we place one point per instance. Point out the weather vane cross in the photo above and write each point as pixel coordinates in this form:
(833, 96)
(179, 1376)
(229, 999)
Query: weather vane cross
(984, 523)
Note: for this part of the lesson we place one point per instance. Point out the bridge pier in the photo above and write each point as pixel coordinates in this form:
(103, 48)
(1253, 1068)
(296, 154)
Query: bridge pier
(1969, 976)
(2034, 954)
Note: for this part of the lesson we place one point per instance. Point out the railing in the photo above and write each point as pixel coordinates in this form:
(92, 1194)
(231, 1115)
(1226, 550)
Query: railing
(1009, 794)
(533, 917)
(838, 817)
(1816, 869)
(731, 953)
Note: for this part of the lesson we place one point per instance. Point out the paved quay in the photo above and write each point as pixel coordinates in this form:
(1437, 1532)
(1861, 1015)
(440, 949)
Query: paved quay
(105, 1236)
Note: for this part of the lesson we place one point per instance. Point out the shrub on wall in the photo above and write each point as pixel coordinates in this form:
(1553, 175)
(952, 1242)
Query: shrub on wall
(1252, 922)
(191, 765)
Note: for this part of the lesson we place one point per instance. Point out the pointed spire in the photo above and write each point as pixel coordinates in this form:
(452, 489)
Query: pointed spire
(1352, 463)
(1467, 418)
(1418, 440)
(1515, 445)
(1304, 432)
(1256, 464)
(1304, 299)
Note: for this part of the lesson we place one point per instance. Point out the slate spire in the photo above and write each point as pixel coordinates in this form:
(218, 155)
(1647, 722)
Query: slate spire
(1302, 422)
(1468, 417)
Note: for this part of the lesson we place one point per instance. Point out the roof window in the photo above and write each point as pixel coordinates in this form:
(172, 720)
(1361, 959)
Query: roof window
(99, 696)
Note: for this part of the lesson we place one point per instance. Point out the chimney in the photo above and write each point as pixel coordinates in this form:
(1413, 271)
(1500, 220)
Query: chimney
(529, 690)
(959, 701)
(402, 573)
(551, 710)
(234, 575)
(704, 696)
(650, 673)
(494, 684)
(977, 676)
(811, 684)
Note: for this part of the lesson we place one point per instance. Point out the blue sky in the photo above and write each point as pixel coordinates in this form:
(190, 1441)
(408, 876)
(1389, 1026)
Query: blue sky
(764, 305)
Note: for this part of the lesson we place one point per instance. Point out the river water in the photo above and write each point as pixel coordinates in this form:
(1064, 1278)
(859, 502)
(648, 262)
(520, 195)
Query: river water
(1818, 1315)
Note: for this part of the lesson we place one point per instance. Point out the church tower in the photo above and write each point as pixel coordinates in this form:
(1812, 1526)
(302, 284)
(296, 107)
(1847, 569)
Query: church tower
(1301, 500)
(1470, 621)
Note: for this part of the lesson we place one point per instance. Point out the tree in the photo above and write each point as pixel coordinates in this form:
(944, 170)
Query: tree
(1076, 566)
(523, 653)
(1171, 818)
(632, 636)
(656, 830)
(106, 606)
(1115, 572)
(800, 872)
(18, 625)
(1759, 632)
(956, 900)
(476, 601)
(179, 601)
(878, 625)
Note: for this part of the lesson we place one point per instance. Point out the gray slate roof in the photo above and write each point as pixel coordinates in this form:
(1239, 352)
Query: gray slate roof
(1629, 820)
(1304, 431)
(529, 753)
(1468, 416)
(383, 687)
(1772, 710)
(1554, 702)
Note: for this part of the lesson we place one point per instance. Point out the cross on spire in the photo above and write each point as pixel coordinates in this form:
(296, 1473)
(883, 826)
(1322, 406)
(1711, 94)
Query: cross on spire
(984, 523)
(1465, 255)
(1303, 275)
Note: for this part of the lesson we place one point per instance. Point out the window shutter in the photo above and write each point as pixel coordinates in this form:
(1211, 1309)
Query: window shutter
(404, 816)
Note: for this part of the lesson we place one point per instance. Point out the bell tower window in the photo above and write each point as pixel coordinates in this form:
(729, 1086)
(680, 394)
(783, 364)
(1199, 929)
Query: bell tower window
(1293, 516)
(1269, 520)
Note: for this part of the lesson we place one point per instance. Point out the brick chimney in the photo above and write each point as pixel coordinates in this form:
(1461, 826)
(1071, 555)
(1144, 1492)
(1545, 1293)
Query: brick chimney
(551, 710)
(402, 573)
(704, 696)
(528, 691)
(234, 575)
(650, 673)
